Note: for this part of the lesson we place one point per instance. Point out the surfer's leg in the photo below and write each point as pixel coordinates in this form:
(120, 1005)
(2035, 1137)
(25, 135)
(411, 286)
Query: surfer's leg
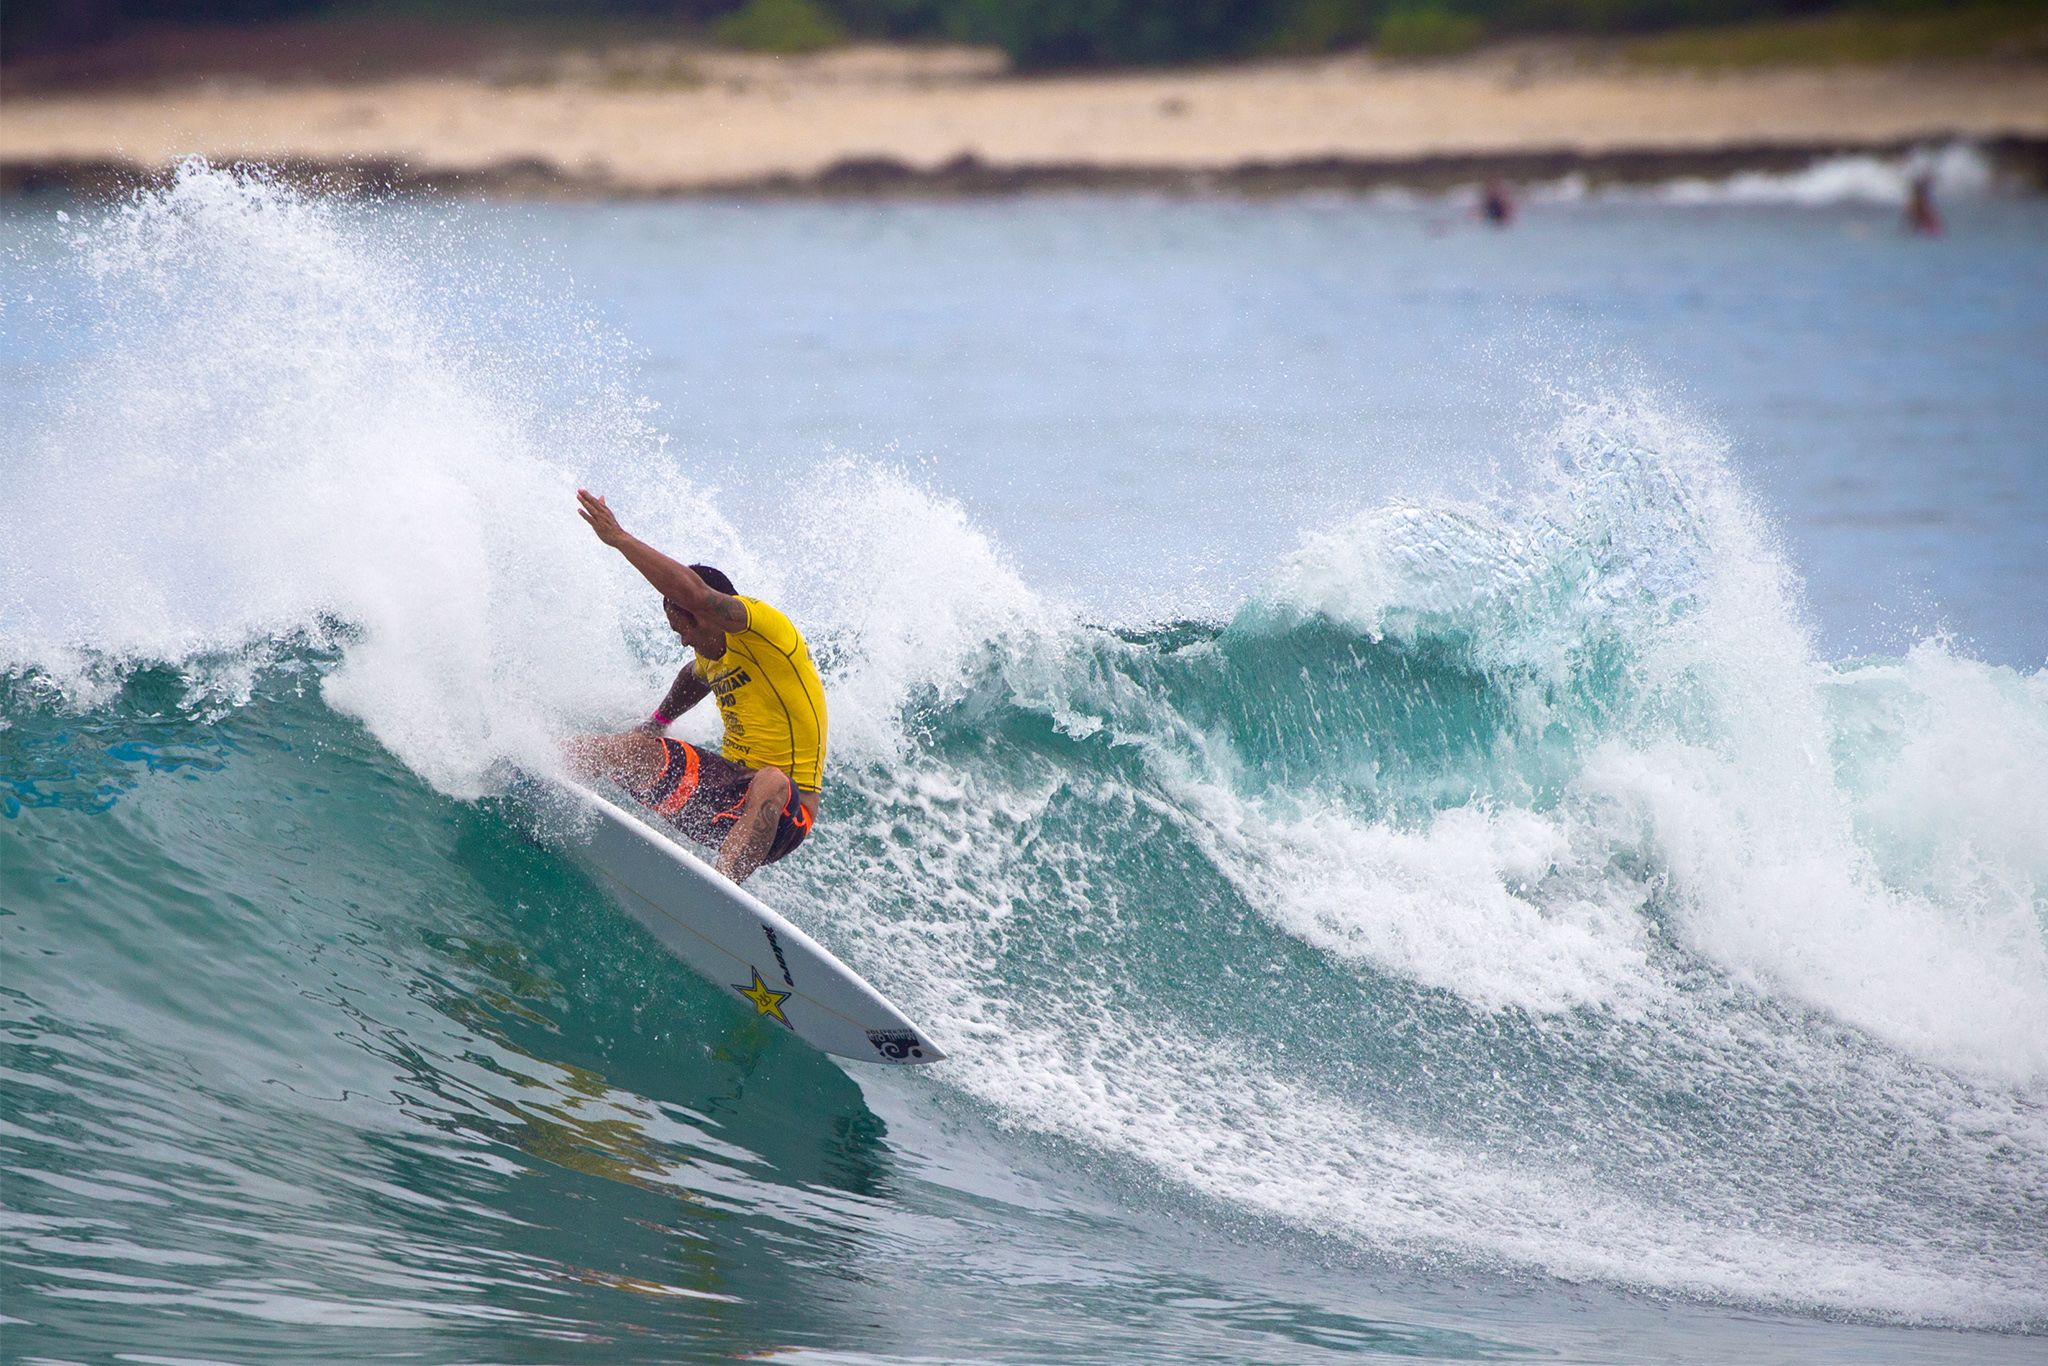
(632, 760)
(751, 835)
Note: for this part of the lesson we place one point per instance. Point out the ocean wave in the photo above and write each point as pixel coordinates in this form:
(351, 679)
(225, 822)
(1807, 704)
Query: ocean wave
(1508, 880)
(1956, 171)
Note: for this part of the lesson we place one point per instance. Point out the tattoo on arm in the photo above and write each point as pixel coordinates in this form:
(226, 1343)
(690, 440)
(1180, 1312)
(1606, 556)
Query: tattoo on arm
(728, 611)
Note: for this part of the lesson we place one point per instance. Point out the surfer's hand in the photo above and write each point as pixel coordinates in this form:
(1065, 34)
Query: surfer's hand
(593, 509)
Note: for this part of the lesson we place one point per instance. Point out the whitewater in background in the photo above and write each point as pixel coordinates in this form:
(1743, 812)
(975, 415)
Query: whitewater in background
(1955, 171)
(1507, 888)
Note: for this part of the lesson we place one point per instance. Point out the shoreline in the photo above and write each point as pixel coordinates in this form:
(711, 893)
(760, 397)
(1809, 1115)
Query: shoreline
(892, 122)
(2016, 159)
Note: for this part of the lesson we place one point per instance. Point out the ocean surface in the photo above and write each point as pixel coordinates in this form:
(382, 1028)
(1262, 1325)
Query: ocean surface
(1452, 794)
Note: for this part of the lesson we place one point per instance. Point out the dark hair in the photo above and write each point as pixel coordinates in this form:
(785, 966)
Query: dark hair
(714, 578)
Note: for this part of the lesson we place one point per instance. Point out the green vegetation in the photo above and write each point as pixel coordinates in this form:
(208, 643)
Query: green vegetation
(1066, 33)
(1868, 36)
(780, 26)
(1051, 34)
(1431, 32)
(1307, 27)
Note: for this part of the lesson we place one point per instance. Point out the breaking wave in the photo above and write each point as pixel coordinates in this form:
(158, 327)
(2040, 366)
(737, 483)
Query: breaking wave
(1508, 881)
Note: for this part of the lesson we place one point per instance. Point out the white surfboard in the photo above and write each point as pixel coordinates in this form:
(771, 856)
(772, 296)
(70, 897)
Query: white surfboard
(726, 933)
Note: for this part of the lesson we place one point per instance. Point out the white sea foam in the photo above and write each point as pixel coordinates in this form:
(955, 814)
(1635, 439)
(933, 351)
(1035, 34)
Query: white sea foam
(1496, 906)
(282, 433)
(1849, 845)
(287, 433)
(1089, 1060)
(1958, 170)
(1897, 892)
(909, 593)
(1715, 798)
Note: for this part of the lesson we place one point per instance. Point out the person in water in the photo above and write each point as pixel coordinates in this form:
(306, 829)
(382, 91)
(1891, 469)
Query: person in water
(1497, 203)
(1922, 217)
(757, 798)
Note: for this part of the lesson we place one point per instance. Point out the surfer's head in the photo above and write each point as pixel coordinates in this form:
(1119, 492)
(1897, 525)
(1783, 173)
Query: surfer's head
(705, 637)
(715, 578)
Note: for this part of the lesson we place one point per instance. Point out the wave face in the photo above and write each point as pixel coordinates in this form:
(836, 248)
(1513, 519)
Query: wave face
(1507, 885)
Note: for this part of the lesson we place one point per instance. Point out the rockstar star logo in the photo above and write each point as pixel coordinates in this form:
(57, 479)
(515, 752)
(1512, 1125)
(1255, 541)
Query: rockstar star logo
(766, 1002)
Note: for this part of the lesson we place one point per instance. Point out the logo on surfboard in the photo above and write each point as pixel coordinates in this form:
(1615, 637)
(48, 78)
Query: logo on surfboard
(897, 1044)
(767, 1001)
(775, 943)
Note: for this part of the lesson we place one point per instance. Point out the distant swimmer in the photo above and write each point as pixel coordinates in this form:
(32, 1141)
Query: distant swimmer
(757, 798)
(1921, 215)
(1497, 203)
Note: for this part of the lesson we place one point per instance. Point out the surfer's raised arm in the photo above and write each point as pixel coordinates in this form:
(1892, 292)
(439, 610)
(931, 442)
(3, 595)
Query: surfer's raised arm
(673, 579)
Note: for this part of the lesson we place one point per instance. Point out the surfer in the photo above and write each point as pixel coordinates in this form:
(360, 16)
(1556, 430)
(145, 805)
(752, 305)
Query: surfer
(757, 798)
(1922, 217)
(1497, 203)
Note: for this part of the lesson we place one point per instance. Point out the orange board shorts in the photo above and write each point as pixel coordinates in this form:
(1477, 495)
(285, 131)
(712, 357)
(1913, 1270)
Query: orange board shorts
(701, 795)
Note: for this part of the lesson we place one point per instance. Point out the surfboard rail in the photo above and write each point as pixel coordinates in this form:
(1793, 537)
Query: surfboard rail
(732, 938)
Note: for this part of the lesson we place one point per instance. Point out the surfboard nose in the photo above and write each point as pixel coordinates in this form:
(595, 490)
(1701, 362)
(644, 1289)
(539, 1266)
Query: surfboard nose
(907, 1046)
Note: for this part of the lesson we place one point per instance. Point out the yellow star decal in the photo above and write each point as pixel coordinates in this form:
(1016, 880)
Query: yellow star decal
(766, 1002)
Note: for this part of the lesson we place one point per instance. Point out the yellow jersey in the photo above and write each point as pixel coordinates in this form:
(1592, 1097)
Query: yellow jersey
(769, 697)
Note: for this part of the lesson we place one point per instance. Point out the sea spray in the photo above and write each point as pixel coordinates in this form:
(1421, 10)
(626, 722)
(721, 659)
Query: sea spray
(283, 429)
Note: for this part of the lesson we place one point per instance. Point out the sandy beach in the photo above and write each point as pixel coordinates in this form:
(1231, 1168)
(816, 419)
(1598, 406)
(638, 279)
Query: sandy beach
(659, 120)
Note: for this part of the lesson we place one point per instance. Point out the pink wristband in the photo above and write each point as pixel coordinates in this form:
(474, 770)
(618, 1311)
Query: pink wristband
(662, 718)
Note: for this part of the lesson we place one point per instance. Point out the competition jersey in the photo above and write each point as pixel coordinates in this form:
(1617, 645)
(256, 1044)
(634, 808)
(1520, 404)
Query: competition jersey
(769, 697)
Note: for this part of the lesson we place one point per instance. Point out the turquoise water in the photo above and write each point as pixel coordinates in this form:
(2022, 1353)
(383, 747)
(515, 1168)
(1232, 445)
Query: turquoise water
(1450, 795)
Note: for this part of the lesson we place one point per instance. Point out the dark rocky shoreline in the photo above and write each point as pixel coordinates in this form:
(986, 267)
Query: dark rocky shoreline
(2022, 160)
